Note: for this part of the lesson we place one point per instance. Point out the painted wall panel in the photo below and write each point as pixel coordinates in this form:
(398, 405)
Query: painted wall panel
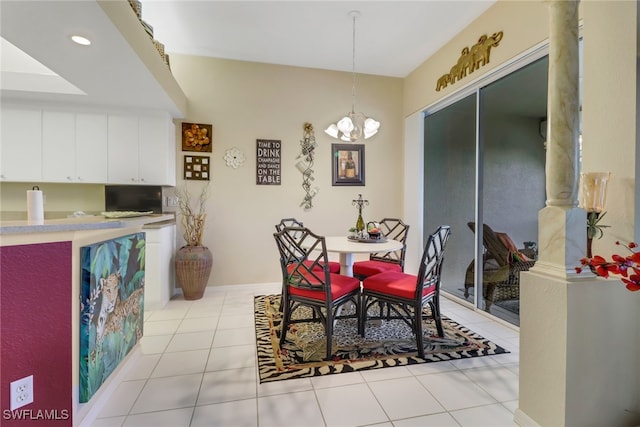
(112, 296)
(35, 331)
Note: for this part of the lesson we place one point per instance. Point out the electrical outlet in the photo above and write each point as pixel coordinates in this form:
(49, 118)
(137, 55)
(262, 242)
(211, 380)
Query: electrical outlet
(172, 201)
(21, 392)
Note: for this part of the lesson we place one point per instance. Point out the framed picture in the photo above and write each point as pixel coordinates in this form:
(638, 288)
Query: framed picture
(348, 164)
(196, 167)
(196, 137)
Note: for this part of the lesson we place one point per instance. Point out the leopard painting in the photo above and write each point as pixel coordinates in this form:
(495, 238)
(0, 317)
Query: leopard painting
(113, 310)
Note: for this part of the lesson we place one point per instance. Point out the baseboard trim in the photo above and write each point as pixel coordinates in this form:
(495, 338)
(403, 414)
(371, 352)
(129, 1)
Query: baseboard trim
(523, 420)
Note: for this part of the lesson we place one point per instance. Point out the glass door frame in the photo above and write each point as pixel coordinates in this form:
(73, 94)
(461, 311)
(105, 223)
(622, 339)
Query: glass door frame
(537, 52)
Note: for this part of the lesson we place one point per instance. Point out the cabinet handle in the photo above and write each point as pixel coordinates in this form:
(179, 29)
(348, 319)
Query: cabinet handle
(141, 179)
(79, 178)
(69, 178)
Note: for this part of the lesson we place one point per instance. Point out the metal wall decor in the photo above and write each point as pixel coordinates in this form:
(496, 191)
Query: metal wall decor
(196, 137)
(470, 59)
(305, 165)
(196, 168)
(268, 161)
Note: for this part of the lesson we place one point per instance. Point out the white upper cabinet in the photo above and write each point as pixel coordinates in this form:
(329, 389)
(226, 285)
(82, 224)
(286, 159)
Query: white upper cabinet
(58, 146)
(87, 147)
(156, 150)
(123, 149)
(91, 148)
(74, 147)
(21, 144)
(141, 150)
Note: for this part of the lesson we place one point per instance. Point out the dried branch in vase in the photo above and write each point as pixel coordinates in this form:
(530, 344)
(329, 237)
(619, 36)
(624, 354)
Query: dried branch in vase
(193, 218)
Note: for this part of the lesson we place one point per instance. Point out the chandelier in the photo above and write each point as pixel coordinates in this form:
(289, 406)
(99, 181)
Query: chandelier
(353, 125)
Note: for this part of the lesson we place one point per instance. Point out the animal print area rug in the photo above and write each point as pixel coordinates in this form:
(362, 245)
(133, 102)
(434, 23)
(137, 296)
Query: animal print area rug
(386, 343)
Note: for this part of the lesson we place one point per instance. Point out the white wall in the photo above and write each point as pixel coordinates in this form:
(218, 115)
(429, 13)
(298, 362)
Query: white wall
(246, 101)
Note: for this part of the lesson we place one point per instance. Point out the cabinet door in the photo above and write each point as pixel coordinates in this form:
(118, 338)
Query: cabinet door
(155, 154)
(122, 150)
(21, 145)
(159, 272)
(58, 146)
(91, 148)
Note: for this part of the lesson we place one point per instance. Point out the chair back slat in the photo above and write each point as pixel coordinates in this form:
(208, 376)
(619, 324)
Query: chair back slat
(393, 229)
(288, 222)
(432, 260)
(303, 258)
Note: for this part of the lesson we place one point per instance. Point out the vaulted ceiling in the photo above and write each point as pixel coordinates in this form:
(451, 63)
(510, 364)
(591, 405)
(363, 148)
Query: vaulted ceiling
(392, 38)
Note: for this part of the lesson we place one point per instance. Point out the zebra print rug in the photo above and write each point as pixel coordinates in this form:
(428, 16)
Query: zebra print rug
(386, 344)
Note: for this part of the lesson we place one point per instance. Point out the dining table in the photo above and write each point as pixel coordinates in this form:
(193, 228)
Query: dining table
(347, 249)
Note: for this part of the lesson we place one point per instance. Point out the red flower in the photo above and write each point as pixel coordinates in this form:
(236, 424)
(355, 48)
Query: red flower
(618, 265)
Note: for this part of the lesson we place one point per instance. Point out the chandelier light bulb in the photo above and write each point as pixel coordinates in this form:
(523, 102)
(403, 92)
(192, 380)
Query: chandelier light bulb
(345, 125)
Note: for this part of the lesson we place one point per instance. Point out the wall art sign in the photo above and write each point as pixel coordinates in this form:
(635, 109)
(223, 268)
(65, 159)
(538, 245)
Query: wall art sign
(348, 164)
(196, 137)
(268, 161)
(196, 168)
(470, 59)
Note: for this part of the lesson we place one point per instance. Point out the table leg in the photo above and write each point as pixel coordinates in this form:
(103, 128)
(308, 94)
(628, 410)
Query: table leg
(346, 264)
(346, 269)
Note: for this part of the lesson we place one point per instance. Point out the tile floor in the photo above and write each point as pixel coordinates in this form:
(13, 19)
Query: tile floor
(198, 368)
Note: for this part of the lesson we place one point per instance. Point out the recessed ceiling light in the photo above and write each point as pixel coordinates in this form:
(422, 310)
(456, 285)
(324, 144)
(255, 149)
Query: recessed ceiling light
(81, 40)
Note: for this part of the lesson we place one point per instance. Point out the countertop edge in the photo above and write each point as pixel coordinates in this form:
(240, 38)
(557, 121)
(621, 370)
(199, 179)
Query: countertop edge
(80, 224)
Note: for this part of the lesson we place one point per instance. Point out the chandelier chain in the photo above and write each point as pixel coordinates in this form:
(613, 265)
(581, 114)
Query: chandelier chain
(353, 67)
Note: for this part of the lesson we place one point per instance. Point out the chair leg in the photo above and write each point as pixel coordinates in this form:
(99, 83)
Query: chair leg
(286, 314)
(357, 302)
(362, 314)
(435, 312)
(417, 329)
(283, 297)
(329, 332)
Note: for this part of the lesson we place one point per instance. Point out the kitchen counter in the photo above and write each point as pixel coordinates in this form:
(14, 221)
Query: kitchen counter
(82, 223)
(43, 264)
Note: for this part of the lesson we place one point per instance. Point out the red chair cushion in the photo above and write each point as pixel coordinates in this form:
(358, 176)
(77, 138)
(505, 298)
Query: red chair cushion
(340, 286)
(334, 267)
(370, 268)
(397, 284)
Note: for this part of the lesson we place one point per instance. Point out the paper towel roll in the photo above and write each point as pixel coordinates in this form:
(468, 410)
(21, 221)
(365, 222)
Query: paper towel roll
(35, 207)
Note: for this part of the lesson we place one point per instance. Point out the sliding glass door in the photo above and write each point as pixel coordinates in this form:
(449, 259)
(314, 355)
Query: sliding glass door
(485, 171)
(450, 184)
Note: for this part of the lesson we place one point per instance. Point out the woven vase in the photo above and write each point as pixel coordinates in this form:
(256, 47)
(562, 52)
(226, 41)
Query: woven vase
(193, 267)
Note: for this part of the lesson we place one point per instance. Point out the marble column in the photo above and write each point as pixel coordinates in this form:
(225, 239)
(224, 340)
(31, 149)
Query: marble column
(563, 105)
(562, 225)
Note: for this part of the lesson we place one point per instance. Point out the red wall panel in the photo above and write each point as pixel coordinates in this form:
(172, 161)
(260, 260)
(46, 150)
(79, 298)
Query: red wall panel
(35, 331)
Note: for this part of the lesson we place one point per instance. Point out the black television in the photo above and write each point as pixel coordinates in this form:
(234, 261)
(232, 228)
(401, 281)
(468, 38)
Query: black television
(137, 198)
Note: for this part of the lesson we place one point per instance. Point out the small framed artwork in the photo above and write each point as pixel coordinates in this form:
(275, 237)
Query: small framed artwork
(348, 164)
(196, 168)
(196, 137)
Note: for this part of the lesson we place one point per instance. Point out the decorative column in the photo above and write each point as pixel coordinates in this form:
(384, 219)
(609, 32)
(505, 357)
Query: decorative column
(562, 225)
(569, 323)
(545, 297)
